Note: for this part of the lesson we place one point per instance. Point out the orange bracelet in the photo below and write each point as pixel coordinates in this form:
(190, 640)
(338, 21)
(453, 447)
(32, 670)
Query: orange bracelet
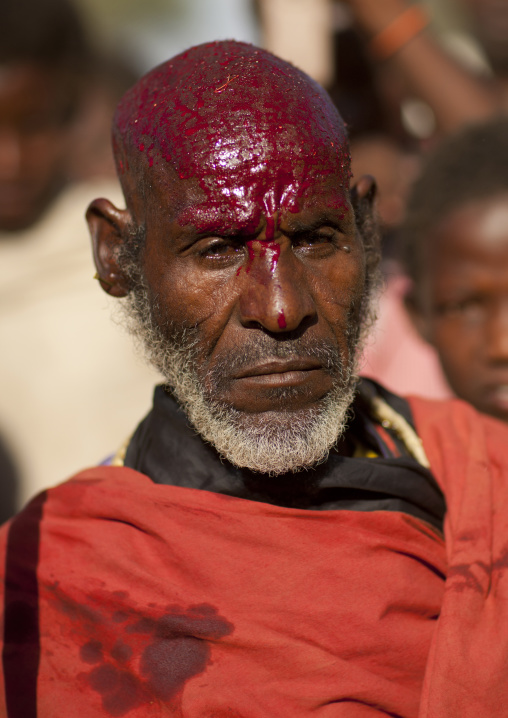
(399, 32)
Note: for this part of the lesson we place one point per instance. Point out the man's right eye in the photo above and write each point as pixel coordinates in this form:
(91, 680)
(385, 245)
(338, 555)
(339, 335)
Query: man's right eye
(220, 250)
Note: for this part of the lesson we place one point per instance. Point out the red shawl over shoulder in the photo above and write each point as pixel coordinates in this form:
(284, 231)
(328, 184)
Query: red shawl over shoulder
(467, 670)
(127, 598)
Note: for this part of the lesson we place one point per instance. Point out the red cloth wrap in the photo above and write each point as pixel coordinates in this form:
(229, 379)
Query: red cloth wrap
(153, 600)
(467, 672)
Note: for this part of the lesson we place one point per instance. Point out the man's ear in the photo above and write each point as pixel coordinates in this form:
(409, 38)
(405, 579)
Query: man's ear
(363, 194)
(108, 227)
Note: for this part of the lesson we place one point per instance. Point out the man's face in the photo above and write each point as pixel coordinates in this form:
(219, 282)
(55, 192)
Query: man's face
(243, 274)
(251, 282)
(32, 142)
(465, 303)
(265, 276)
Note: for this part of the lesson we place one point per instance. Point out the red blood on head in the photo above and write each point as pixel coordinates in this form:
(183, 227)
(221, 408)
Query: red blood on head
(251, 130)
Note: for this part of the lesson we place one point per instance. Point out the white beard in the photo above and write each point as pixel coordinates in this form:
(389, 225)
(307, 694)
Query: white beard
(283, 441)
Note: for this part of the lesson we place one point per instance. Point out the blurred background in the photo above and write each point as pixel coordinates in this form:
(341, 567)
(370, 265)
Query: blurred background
(406, 77)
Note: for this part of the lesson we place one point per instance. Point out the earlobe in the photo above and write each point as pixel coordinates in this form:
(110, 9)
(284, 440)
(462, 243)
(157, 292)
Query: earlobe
(365, 190)
(363, 196)
(108, 226)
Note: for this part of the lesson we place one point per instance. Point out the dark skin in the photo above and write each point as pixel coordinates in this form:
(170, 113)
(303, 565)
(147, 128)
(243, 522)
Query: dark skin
(33, 141)
(308, 266)
(250, 234)
(462, 305)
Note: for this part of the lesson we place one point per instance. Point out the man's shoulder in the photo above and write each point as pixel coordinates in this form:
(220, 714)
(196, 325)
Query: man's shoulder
(79, 494)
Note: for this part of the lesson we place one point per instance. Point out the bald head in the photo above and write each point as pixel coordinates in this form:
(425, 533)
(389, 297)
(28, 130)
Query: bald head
(229, 115)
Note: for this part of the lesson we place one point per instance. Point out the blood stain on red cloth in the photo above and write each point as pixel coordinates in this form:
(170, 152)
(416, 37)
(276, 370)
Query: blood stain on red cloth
(91, 652)
(121, 691)
(477, 575)
(153, 658)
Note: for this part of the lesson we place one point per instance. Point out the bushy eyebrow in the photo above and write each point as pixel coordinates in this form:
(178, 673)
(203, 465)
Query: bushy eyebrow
(215, 224)
(299, 224)
(291, 230)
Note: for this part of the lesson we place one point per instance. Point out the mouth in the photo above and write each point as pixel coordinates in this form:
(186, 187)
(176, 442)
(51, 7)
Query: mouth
(279, 367)
(279, 372)
(286, 376)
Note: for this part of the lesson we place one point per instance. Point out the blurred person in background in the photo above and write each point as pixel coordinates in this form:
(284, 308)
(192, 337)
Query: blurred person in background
(382, 147)
(109, 75)
(43, 63)
(58, 351)
(455, 249)
(395, 354)
(401, 42)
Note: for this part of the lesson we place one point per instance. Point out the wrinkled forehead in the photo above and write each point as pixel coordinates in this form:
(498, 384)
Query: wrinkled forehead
(234, 119)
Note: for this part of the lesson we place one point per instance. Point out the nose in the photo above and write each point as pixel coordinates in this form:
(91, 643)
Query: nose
(275, 294)
(496, 332)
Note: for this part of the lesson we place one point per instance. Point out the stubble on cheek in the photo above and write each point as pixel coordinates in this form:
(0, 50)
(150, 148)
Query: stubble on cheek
(216, 354)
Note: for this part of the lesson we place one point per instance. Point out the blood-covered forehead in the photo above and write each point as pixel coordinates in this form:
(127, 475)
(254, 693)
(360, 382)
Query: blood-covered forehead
(249, 128)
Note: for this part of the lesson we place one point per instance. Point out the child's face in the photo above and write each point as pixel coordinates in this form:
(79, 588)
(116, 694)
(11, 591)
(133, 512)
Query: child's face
(464, 302)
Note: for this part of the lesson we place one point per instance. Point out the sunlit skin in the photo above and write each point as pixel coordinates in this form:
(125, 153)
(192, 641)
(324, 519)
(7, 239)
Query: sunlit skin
(250, 240)
(33, 142)
(299, 279)
(464, 302)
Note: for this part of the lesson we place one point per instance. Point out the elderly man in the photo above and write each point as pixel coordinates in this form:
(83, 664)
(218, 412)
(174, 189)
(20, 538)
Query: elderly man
(270, 541)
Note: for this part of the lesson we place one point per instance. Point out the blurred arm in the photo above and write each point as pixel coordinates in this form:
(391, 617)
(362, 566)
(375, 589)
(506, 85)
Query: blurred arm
(455, 95)
(300, 32)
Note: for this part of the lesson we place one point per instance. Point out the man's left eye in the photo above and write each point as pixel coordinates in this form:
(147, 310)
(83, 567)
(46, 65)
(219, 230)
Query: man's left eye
(317, 238)
(320, 239)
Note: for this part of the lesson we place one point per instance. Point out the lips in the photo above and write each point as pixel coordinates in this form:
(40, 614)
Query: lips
(279, 374)
(278, 366)
(277, 384)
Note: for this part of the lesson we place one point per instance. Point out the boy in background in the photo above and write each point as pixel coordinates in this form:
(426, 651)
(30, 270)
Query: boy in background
(455, 249)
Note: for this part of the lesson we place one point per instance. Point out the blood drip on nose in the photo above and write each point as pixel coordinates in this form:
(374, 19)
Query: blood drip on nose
(274, 248)
(269, 247)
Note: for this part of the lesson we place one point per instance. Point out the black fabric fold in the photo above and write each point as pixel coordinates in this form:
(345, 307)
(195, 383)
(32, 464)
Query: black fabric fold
(166, 448)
